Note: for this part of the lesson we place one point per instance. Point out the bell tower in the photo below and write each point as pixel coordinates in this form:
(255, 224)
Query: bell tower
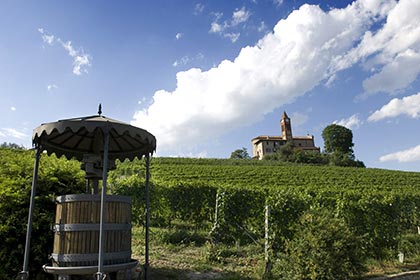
(286, 127)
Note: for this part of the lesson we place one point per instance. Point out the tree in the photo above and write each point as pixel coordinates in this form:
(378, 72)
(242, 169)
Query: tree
(240, 154)
(6, 145)
(338, 139)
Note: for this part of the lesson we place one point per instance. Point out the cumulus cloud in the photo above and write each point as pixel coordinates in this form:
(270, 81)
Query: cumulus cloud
(401, 71)
(80, 59)
(409, 155)
(409, 105)
(179, 36)
(350, 123)
(13, 108)
(392, 52)
(307, 48)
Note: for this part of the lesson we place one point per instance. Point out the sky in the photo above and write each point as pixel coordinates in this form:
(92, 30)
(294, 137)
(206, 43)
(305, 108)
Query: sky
(205, 77)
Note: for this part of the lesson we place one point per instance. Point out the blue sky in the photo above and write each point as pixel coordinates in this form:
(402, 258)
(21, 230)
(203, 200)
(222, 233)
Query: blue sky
(205, 77)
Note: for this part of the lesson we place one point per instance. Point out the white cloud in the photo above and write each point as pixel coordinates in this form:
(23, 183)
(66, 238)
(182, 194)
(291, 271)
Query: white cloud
(187, 59)
(13, 108)
(198, 8)
(202, 154)
(409, 155)
(215, 27)
(278, 3)
(240, 16)
(232, 36)
(182, 61)
(179, 35)
(226, 28)
(299, 119)
(14, 133)
(262, 27)
(51, 87)
(302, 51)
(49, 39)
(395, 75)
(392, 52)
(409, 105)
(350, 123)
(142, 101)
(80, 59)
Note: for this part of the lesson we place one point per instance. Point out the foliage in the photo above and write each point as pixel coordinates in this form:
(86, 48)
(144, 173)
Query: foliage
(322, 248)
(338, 138)
(6, 145)
(56, 177)
(240, 154)
(410, 245)
(376, 205)
(289, 153)
(239, 217)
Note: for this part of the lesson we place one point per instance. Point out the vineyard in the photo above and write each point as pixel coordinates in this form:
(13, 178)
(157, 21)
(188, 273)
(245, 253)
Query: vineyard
(377, 210)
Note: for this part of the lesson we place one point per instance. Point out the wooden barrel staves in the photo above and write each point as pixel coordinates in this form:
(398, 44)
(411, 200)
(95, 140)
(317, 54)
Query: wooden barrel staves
(76, 237)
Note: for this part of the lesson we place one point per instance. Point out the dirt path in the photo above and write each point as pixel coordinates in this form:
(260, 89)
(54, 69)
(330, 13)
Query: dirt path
(411, 275)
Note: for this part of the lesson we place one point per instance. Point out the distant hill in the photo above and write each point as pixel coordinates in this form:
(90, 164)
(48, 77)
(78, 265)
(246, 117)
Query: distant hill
(272, 174)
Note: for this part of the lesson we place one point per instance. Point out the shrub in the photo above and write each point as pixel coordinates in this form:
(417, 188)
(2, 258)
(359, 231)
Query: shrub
(56, 177)
(323, 248)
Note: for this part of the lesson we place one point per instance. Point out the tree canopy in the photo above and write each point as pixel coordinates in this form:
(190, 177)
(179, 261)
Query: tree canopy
(338, 139)
(240, 154)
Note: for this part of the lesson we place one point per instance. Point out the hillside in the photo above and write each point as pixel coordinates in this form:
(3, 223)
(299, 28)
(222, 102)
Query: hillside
(379, 205)
(272, 174)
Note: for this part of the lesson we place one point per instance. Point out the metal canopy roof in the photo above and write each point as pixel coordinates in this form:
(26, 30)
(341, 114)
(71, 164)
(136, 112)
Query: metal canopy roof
(78, 136)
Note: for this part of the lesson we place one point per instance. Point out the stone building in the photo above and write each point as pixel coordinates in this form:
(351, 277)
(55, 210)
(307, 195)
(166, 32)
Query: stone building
(264, 144)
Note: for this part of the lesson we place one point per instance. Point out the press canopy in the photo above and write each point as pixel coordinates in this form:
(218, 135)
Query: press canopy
(78, 136)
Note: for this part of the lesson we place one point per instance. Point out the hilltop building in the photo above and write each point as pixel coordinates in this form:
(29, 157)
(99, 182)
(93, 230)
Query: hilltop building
(263, 144)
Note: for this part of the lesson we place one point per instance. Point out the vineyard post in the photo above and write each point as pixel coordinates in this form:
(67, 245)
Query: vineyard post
(216, 214)
(267, 241)
(216, 211)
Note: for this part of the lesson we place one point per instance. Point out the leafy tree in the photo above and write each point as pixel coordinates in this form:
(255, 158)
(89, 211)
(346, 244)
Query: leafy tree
(240, 154)
(338, 139)
(6, 145)
(338, 144)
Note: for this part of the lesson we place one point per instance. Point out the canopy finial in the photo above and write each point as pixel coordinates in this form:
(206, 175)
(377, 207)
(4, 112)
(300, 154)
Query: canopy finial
(100, 109)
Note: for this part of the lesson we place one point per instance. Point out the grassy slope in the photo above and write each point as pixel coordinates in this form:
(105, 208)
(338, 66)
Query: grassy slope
(247, 263)
(250, 173)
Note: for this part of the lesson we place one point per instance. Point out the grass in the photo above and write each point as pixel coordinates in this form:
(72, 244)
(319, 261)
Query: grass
(183, 252)
(173, 257)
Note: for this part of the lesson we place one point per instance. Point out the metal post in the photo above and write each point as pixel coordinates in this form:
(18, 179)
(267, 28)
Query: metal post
(24, 274)
(146, 264)
(100, 275)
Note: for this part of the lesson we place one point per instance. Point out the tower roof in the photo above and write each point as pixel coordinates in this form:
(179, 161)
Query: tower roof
(285, 116)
